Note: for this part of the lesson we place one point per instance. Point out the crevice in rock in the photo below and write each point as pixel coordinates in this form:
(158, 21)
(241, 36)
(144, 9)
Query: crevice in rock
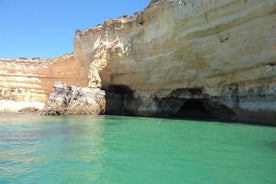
(141, 23)
(234, 89)
(272, 63)
(117, 99)
(192, 103)
(218, 110)
(204, 109)
(193, 109)
(183, 103)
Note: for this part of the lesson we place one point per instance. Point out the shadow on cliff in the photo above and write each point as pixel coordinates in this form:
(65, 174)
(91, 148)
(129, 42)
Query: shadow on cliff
(117, 99)
(180, 104)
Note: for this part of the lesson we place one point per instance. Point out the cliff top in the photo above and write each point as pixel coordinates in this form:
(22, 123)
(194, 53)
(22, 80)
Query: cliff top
(36, 59)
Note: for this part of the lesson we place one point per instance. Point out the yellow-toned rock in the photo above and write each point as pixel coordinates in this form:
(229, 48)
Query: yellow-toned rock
(192, 59)
(32, 79)
(221, 50)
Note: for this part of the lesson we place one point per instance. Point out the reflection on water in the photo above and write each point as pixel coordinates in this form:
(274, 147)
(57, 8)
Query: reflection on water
(32, 145)
(112, 149)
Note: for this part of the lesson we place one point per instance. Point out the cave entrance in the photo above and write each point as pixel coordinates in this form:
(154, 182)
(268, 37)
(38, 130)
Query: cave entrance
(194, 109)
(117, 97)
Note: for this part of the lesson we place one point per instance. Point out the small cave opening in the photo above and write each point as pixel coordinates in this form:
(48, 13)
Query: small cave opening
(194, 109)
(117, 97)
(205, 109)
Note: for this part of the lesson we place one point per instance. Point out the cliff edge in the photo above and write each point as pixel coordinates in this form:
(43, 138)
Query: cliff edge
(28, 82)
(187, 59)
(183, 59)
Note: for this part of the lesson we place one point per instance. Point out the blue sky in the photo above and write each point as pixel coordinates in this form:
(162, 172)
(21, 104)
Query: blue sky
(46, 28)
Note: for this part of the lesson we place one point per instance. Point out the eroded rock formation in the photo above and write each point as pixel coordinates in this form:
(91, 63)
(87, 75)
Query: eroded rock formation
(177, 56)
(32, 80)
(66, 99)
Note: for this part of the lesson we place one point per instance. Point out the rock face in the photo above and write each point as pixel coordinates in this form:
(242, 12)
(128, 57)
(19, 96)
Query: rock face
(209, 59)
(176, 58)
(29, 80)
(65, 99)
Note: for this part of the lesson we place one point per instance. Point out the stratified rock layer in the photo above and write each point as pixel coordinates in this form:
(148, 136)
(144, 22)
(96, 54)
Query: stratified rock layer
(186, 59)
(29, 80)
(68, 100)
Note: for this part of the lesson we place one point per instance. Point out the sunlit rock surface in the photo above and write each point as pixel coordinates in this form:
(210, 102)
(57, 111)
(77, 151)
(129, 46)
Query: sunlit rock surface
(218, 55)
(67, 100)
(32, 79)
(188, 59)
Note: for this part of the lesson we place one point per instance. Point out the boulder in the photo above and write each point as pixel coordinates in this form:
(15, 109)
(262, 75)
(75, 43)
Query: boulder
(68, 100)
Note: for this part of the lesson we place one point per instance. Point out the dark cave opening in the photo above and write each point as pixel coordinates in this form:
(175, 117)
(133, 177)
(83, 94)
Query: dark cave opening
(194, 109)
(117, 97)
(120, 100)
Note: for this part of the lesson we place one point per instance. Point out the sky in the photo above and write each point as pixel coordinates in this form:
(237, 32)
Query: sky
(46, 28)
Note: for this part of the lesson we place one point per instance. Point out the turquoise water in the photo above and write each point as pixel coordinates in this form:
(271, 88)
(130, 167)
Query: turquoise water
(112, 149)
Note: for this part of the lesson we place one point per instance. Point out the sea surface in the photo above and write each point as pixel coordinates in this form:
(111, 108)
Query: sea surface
(126, 150)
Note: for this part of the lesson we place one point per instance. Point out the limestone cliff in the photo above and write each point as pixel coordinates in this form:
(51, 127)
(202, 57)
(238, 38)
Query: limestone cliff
(31, 80)
(175, 58)
(180, 58)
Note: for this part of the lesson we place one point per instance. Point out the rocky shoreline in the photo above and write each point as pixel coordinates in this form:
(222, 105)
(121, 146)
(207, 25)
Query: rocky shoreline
(69, 100)
(175, 59)
(14, 106)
